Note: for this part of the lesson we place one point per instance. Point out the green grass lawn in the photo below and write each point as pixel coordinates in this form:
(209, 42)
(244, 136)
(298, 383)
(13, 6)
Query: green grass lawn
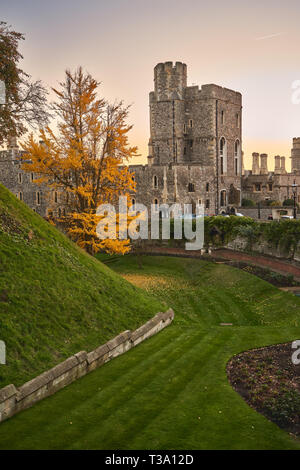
(171, 392)
(56, 300)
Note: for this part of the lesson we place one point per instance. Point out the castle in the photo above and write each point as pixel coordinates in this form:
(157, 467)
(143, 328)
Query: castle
(195, 143)
(195, 154)
(259, 184)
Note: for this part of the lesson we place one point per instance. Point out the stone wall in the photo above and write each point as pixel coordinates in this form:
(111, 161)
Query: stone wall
(13, 400)
(168, 184)
(22, 184)
(265, 212)
(264, 248)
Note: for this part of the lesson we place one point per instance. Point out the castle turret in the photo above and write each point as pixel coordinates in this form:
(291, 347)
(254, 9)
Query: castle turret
(263, 164)
(167, 113)
(255, 163)
(169, 81)
(277, 168)
(295, 154)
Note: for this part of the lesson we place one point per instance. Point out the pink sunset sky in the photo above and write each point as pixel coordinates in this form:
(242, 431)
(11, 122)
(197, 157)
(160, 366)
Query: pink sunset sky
(252, 47)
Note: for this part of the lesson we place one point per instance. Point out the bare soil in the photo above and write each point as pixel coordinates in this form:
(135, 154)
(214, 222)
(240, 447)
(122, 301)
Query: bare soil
(269, 382)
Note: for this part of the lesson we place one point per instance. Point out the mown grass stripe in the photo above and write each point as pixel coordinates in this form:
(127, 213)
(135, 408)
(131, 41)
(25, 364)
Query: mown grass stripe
(154, 395)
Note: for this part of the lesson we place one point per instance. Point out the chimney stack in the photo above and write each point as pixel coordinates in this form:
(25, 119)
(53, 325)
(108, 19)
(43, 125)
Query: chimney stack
(255, 163)
(282, 165)
(263, 164)
(277, 169)
(12, 143)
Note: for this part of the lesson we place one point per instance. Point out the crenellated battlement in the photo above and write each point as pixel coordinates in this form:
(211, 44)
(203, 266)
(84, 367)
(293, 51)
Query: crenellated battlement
(170, 80)
(296, 142)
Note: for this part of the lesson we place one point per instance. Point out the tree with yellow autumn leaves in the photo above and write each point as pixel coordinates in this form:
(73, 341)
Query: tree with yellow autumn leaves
(86, 158)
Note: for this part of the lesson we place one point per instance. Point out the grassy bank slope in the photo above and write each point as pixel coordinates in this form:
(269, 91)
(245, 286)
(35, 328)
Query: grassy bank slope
(54, 298)
(172, 392)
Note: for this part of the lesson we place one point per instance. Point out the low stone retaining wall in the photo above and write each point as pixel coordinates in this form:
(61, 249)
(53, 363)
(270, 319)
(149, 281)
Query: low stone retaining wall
(241, 244)
(13, 400)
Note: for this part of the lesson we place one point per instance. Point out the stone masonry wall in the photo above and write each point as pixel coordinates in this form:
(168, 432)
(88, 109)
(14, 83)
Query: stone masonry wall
(168, 184)
(13, 400)
(263, 248)
(22, 184)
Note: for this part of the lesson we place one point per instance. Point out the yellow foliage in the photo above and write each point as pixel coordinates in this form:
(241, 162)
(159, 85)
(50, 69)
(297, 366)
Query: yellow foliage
(86, 158)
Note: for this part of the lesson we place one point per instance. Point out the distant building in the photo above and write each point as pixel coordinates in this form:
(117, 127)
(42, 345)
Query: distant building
(260, 184)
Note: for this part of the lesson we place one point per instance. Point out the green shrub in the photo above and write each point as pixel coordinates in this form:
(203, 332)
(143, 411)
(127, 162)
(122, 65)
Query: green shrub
(220, 230)
(274, 203)
(251, 232)
(285, 408)
(282, 233)
(289, 202)
(248, 203)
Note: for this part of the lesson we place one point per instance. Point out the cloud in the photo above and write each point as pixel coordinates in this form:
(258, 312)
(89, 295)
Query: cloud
(270, 36)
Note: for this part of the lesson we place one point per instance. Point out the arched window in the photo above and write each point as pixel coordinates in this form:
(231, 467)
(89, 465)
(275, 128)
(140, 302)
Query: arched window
(223, 156)
(21, 196)
(237, 157)
(133, 204)
(38, 198)
(55, 197)
(156, 205)
(59, 212)
(155, 182)
(236, 147)
(223, 198)
(222, 146)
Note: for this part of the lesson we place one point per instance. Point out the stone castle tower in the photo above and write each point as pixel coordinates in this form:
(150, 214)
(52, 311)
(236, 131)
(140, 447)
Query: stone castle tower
(195, 142)
(187, 125)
